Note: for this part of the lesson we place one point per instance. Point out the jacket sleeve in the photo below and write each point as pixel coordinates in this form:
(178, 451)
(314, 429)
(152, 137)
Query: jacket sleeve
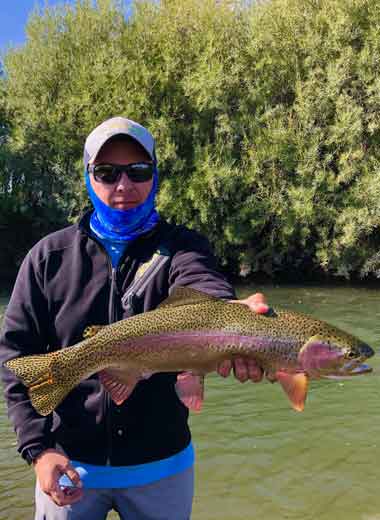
(194, 265)
(24, 332)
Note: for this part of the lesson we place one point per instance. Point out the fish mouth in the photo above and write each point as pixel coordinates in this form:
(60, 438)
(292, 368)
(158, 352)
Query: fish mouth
(350, 369)
(356, 366)
(361, 369)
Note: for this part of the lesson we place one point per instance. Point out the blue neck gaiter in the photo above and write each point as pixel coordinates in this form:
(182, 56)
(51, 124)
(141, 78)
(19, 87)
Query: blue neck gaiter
(123, 225)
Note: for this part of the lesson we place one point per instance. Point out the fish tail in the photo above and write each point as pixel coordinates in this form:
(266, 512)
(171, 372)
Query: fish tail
(39, 375)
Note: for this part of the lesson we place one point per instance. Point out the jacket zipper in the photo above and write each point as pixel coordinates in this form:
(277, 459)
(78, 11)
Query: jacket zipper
(112, 317)
(112, 311)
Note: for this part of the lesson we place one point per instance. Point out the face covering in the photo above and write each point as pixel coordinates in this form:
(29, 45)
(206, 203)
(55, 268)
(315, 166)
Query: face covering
(123, 225)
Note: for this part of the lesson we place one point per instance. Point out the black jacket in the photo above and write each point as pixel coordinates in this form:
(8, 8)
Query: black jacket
(66, 283)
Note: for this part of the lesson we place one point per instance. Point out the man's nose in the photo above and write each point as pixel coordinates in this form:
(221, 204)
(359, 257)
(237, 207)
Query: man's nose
(124, 182)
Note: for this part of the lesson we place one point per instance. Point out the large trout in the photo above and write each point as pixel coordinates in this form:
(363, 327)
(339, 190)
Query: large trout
(191, 333)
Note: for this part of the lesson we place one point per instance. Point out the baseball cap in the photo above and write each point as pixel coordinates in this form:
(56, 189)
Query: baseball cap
(112, 127)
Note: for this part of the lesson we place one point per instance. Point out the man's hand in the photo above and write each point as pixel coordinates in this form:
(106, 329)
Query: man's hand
(49, 466)
(245, 369)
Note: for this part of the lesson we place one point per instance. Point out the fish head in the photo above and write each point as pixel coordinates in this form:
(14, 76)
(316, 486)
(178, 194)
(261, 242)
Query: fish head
(335, 354)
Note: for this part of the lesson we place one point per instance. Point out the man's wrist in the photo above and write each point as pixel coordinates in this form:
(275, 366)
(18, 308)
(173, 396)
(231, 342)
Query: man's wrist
(32, 454)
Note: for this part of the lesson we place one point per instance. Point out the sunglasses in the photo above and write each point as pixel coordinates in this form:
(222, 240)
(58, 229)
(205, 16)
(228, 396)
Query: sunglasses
(111, 173)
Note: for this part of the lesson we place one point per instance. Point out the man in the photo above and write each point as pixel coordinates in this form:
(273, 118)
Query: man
(137, 457)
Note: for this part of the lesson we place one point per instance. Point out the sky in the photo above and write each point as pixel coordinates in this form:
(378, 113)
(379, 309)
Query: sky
(13, 17)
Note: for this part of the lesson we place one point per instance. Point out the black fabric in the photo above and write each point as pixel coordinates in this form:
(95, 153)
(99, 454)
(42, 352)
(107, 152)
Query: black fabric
(64, 285)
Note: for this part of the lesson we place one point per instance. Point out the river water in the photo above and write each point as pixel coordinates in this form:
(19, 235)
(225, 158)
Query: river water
(256, 457)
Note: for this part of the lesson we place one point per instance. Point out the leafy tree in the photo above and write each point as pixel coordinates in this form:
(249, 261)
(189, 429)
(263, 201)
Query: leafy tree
(266, 117)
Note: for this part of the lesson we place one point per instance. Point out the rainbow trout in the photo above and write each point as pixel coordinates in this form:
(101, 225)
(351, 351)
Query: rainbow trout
(191, 333)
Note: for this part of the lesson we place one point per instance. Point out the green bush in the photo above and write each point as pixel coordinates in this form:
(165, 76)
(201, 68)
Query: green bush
(266, 118)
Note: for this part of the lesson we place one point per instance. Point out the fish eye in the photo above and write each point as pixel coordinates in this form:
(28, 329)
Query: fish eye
(351, 354)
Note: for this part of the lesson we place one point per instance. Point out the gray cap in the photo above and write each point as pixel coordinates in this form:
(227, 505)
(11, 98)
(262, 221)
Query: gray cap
(112, 127)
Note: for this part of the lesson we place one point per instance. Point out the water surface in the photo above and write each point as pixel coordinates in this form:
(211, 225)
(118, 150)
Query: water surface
(256, 457)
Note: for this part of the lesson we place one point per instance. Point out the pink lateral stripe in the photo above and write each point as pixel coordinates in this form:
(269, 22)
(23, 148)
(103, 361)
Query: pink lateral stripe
(199, 338)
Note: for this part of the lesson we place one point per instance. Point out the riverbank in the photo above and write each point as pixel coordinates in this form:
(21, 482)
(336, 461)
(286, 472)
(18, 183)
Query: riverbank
(261, 279)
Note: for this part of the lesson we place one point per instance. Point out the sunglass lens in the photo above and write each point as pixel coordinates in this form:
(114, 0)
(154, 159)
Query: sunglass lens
(140, 172)
(110, 173)
(106, 173)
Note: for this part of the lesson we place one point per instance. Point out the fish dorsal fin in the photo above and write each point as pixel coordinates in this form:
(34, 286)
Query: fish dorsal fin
(91, 330)
(186, 296)
(295, 386)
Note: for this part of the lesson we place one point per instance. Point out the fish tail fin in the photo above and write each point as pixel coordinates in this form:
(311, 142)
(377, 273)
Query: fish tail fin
(38, 375)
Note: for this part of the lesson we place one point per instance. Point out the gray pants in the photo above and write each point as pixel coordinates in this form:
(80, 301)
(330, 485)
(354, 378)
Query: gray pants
(167, 499)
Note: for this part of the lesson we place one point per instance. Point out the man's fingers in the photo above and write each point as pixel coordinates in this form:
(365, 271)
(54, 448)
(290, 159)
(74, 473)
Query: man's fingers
(49, 483)
(256, 302)
(260, 308)
(224, 368)
(258, 297)
(254, 372)
(66, 496)
(241, 370)
(57, 496)
(244, 369)
(73, 476)
(72, 494)
(50, 466)
(52, 489)
(63, 495)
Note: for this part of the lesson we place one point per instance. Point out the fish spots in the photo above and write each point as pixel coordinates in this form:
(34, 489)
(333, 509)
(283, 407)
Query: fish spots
(195, 336)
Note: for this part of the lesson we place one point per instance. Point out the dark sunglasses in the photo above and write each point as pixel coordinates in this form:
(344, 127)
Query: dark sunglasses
(111, 173)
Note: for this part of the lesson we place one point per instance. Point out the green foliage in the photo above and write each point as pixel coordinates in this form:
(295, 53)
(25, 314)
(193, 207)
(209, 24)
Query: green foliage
(322, 131)
(266, 118)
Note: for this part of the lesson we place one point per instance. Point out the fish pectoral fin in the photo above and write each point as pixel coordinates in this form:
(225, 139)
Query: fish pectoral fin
(92, 330)
(119, 390)
(190, 390)
(186, 296)
(295, 386)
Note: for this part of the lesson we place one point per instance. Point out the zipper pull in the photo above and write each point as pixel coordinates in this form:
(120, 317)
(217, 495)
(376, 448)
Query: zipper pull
(129, 302)
(114, 280)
